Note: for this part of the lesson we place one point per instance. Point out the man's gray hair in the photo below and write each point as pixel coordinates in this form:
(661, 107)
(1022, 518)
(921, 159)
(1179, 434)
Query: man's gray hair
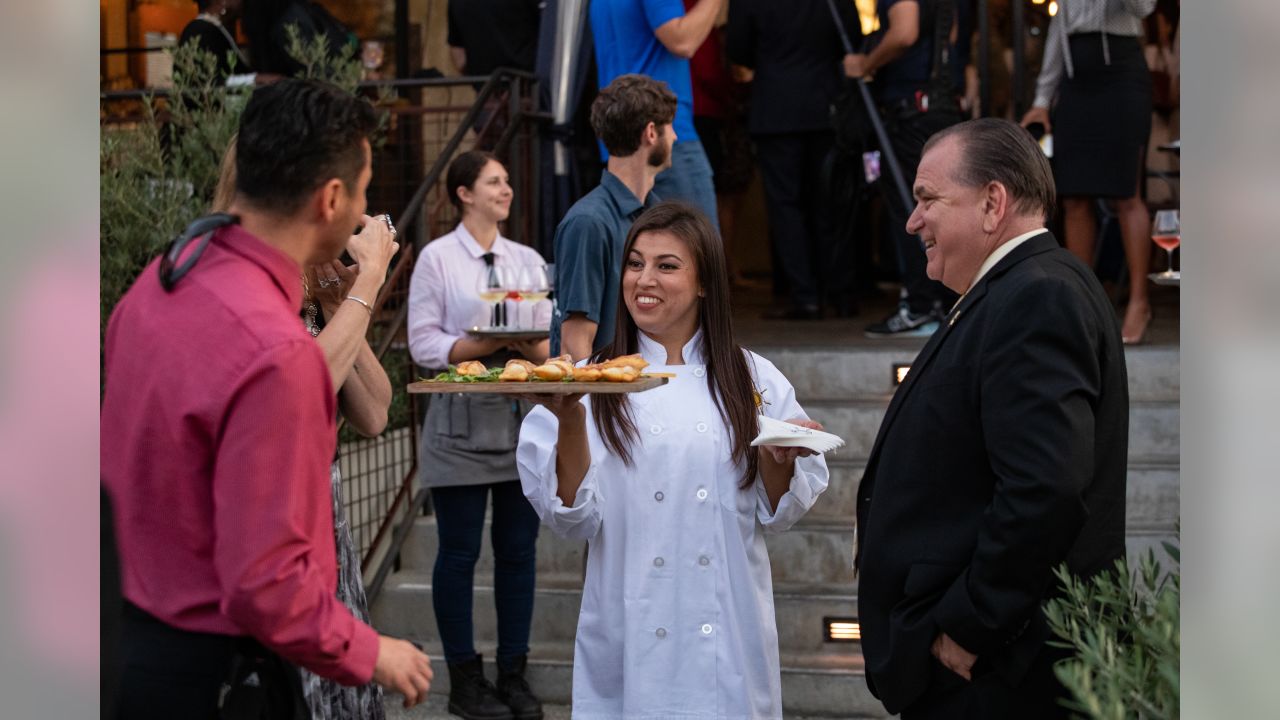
(997, 150)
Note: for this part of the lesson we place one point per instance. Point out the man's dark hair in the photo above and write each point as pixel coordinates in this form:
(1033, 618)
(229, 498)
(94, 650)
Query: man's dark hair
(296, 135)
(464, 171)
(625, 107)
(994, 149)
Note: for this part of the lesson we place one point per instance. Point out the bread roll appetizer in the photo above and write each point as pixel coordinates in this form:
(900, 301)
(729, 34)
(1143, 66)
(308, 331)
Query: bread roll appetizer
(586, 374)
(632, 361)
(514, 372)
(550, 371)
(624, 373)
(471, 367)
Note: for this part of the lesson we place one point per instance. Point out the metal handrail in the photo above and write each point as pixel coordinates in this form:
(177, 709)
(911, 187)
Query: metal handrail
(394, 83)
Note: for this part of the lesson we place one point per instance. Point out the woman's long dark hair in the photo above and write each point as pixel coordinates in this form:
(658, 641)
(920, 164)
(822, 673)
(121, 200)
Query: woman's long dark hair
(728, 377)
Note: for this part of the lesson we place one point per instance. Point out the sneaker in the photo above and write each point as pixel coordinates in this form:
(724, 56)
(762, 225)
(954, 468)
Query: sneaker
(904, 324)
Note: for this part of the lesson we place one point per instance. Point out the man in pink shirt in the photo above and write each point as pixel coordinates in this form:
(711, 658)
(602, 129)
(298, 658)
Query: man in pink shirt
(218, 427)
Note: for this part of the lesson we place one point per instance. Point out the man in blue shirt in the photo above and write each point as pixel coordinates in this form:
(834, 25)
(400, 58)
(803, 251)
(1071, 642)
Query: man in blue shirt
(656, 38)
(632, 116)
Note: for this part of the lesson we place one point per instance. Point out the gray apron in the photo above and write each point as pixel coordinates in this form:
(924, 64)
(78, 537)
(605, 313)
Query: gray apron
(469, 440)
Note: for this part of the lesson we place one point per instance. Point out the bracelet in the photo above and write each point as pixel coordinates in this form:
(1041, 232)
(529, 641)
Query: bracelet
(363, 302)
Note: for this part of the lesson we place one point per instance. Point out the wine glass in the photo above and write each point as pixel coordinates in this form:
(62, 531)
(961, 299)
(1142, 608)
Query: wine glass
(535, 286)
(494, 283)
(1167, 233)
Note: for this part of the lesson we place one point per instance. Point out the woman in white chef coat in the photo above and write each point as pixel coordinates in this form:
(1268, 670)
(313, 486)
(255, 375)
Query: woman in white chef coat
(677, 612)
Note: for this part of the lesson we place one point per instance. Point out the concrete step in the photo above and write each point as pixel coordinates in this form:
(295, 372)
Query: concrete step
(1153, 427)
(865, 373)
(556, 555)
(826, 686)
(1153, 492)
(810, 552)
(818, 549)
(404, 609)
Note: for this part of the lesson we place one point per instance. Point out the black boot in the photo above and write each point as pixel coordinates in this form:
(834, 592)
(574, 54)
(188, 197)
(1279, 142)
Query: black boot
(514, 690)
(471, 696)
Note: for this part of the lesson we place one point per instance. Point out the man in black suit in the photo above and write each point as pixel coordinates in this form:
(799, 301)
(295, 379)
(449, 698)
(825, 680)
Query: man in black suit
(795, 53)
(1002, 455)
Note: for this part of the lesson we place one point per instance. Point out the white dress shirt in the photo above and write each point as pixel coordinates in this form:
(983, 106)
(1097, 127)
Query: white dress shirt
(444, 299)
(677, 615)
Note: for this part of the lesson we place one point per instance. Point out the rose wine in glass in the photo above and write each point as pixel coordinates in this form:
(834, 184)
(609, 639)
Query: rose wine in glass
(1167, 233)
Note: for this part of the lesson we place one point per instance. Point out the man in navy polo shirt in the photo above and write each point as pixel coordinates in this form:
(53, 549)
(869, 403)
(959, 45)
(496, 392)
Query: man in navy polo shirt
(632, 117)
(656, 38)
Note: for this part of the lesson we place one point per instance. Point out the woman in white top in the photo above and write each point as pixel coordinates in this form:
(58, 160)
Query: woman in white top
(467, 451)
(677, 614)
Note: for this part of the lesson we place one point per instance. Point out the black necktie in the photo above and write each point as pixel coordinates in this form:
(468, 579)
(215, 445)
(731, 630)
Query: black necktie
(496, 318)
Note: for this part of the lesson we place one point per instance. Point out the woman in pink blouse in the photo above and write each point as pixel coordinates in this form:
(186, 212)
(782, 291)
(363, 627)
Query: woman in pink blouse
(468, 443)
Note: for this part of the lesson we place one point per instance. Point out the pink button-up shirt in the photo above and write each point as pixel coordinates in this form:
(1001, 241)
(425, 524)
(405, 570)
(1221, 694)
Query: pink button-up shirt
(444, 299)
(217, 434)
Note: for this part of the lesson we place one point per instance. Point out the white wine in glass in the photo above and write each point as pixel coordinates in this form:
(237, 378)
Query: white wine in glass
(492, 287)
(535, 284)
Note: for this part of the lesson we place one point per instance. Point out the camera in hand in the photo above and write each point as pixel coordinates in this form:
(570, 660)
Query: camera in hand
(1036, 129)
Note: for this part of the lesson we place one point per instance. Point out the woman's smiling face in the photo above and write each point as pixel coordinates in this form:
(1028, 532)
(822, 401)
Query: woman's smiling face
(491, 194)
(660, 286)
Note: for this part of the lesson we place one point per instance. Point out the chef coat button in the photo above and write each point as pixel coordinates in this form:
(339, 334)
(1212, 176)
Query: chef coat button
(706, 629)
(702, 427)
(704, 560)
(699, 371)
(655, 429)
(659, 562)
(660, 632)
(702, 493)
(658, 496)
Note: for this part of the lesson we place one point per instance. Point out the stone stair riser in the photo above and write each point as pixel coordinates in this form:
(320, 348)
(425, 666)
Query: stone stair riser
(1153, 428)
(837, 374)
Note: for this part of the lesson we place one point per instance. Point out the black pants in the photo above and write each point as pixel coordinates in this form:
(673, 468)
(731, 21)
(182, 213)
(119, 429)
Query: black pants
(908, 130)
(460, 513)
(990, 697)
(170, 673)
(794, 168)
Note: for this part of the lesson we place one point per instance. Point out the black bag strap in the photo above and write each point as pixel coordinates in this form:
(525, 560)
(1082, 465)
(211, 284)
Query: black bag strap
(199, 231)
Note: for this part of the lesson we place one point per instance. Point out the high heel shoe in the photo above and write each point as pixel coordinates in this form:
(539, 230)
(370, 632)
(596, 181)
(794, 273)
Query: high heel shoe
(1136, 338)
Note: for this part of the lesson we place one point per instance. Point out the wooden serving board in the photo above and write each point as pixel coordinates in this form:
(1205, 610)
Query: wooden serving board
(539, 387)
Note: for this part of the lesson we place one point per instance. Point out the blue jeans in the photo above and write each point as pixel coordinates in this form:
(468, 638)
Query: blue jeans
(689, 179)
(514, 533)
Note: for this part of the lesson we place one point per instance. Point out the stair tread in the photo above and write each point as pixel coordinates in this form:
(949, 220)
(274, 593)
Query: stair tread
(561, 653)
(572, 582)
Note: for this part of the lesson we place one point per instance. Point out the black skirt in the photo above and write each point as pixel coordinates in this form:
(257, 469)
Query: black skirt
(1103, 118)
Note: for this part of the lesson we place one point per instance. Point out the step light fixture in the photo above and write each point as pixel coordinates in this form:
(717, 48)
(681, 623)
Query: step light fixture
(841, 629)
(900, 371)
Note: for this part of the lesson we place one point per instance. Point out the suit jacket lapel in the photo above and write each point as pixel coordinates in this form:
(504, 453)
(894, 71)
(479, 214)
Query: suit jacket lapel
(1034, 246)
